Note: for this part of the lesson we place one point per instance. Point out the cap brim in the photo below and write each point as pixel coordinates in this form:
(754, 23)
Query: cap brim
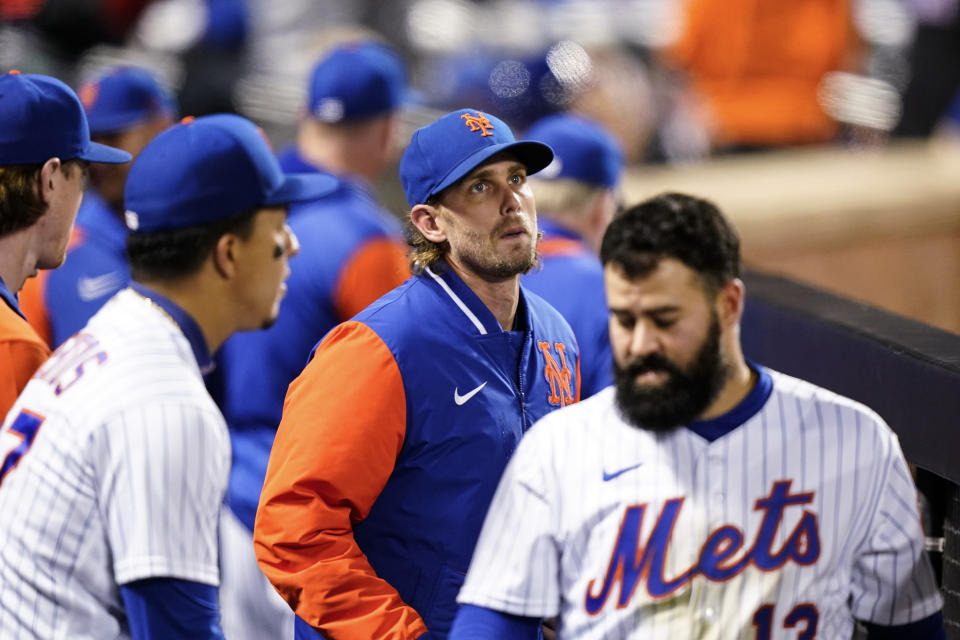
(298, 187)
(534, 155)
(97, 152)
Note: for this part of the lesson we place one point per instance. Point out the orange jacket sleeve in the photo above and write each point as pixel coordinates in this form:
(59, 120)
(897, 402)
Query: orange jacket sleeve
(343, 425)
(377, 267)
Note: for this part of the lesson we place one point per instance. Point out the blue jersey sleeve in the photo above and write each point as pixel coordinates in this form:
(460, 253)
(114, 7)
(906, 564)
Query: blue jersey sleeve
(480, 623)
(171, 609)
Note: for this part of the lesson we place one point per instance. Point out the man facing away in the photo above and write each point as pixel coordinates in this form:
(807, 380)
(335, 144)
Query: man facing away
(394, 436)
(703, 495)
(115, 458)
(577, 198)
(126, 108)
(352, 253)
(45, 149)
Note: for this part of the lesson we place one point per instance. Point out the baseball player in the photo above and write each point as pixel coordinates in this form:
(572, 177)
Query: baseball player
(114, 460)
(353, 252)
(45, 150)
(703, 495)
(577, 197)
(395, 434)
(125, 107)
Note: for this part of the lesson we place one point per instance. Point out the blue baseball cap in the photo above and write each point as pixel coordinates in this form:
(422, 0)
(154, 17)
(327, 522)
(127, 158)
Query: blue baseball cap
(583, 150)
(357, 80)
(210, 168)
(42, 118)
(122, 98)
(449, 148)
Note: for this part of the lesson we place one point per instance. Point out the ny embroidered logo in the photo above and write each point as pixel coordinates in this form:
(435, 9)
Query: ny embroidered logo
(724, 554)
(558, 376)
(478, 122)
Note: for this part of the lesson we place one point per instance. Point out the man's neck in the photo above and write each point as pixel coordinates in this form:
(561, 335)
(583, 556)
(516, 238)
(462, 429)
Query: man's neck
(501, 297)
(741, 381)
(195, 300)
(17, 260)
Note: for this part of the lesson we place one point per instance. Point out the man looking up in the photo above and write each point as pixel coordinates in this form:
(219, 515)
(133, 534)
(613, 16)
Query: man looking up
(394, 436)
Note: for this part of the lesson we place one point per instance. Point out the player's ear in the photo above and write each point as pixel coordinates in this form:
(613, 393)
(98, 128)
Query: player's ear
(730, 301)
(225, 255)
(426, 218)
(46, 183)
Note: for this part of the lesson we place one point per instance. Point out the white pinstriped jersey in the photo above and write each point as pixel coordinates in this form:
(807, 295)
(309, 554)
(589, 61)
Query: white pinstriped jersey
(789, 526)
(121, 460)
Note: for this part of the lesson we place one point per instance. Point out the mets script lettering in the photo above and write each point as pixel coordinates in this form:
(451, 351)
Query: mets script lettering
(558, 375)
(632, 562)
(479, 123)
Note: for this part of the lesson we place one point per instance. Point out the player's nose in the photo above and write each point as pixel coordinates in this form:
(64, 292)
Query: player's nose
(644, 340)
(293, 244)
(510, 201)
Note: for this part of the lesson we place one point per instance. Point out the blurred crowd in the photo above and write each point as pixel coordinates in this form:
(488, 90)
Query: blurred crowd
(675, 80)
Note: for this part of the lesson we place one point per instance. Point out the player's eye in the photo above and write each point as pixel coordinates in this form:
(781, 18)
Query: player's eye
(518, 178)
(625, 320)
(478, 187)
(664, 322)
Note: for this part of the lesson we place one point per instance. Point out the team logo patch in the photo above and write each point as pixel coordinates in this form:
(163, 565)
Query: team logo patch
(558, 375)
(478, 122)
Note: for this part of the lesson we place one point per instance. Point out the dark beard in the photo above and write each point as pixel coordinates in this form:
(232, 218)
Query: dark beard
(684, 396)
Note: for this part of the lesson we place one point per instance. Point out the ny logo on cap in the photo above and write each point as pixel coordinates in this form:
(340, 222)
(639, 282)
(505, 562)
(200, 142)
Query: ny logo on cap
(478, 122)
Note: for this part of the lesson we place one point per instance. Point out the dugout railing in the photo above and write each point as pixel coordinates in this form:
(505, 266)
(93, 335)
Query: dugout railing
(907, 371)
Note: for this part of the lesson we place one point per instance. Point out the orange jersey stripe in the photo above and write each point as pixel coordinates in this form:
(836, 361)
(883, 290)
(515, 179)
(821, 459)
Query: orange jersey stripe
(344, 420)
(377, 267)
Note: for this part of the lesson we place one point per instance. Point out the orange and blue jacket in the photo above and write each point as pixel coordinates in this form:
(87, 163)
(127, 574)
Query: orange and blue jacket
(392, 442)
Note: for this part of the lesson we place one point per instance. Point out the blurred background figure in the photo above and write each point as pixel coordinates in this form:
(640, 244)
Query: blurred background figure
(576, 199)
(126, 107)
(352, 252)
(756, 66)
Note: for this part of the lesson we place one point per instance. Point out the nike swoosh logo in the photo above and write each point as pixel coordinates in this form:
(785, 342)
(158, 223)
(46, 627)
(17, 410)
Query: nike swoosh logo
(92, 288)
(460, 399)
(610, 476)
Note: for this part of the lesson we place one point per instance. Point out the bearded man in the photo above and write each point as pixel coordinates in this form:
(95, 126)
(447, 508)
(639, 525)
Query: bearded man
(702, 495)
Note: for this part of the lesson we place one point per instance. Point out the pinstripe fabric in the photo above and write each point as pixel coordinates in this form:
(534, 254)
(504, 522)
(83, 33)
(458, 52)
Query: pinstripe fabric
(123, 481)
(548, 544)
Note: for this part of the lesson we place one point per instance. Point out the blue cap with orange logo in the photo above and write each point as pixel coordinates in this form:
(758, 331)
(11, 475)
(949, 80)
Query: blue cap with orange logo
(42, 118)
(123, 97)
(449, 148)
(583, 150)
(357, 80)
(210, 168)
